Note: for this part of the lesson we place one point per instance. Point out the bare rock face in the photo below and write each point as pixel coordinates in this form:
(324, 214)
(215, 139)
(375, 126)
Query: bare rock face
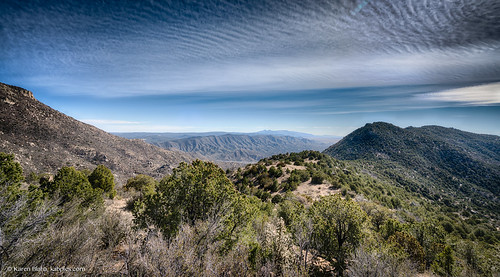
(44, 140)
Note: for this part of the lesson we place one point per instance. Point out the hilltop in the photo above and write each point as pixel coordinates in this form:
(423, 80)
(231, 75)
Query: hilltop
(456, 168)
(44, 140)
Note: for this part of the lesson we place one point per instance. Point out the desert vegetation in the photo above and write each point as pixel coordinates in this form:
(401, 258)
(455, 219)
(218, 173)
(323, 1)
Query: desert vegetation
(202, 221)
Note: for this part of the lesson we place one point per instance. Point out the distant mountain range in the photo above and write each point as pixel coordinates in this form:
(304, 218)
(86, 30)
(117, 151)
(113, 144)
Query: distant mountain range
(161, 137)
(443, 164)
(43, 140)
(236, 148)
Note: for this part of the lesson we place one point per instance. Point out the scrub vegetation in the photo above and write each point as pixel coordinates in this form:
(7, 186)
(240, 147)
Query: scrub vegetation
(202, 221)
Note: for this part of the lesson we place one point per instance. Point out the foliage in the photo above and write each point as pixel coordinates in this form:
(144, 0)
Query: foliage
(191, 193)
(197, 223)
(277, 248)
(431, 237)
(378, 214)
(35, 229)
(410, 246)
(337, 229)
(144, 184)
(444, 265)
(11, 175)
(102, 178)
(380, 261)
(69, 184)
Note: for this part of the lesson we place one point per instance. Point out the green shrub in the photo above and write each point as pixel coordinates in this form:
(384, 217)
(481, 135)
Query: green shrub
(337, 225)
(102, 178)
(142, 183)
(192, 193)
(69, 184)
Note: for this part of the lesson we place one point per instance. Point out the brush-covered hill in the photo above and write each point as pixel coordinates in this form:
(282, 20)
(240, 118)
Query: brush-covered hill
(311, 175)
(458, 168)
(240, 148)
(44, 140)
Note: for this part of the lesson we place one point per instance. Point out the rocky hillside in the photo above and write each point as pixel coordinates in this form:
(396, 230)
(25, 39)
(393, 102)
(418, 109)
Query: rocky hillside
(241, 148)
(44, 140)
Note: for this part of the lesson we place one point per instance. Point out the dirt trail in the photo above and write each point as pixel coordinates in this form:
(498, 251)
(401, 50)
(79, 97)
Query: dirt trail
(119, 206)
(315, 190)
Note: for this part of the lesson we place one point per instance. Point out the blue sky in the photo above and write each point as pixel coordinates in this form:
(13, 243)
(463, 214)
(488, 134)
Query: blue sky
(322, 67)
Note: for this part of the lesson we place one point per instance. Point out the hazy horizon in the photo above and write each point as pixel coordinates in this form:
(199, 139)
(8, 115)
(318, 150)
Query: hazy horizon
(318, 67)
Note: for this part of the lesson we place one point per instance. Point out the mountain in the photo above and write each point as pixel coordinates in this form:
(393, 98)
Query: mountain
(241, 148)
(443, 164)
(229, 149)
(284, 133)
(294, 134)
(44, 140)
(162, 137)
(322, 139)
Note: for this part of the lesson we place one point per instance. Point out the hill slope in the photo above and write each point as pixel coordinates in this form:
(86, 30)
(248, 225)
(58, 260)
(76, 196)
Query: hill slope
(241, 148)
(430, 160)
(44, 140)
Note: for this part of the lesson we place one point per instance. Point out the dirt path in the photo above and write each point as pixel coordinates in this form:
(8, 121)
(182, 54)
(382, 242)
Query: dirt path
(119, 206)
(315, 190)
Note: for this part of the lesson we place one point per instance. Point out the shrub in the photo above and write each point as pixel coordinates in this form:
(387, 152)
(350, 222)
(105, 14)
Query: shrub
(69, 184)
(191, 193)
(317, 178)
(142, 183)
(336, 229)
(102, 178)
(444, 265)
(11, 175)
(277, 199)
(410, 245)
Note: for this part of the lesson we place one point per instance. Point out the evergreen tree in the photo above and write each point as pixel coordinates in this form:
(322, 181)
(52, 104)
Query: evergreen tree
(11, 176)
(70, 183)
(102, 178)
(337, 227)
(445, 263)
(193, 192)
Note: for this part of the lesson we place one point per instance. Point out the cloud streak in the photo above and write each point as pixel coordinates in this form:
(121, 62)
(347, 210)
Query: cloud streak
(118, 49)
(163, 65)
(476, 95)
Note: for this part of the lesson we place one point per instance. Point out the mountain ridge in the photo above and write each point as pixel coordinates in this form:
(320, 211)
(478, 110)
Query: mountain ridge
(440, 163)
(241, 148)
(44, 139)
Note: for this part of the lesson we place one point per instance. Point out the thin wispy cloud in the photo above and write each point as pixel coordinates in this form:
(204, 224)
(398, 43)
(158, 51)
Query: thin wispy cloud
(158, 48)
(476, 95)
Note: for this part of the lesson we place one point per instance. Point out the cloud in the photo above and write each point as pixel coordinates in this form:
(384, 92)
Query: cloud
(476, 95)
(158, 48)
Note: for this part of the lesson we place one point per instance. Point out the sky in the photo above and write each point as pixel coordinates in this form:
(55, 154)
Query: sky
(320, 67)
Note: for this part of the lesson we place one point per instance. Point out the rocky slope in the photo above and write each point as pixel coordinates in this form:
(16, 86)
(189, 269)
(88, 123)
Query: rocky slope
(44, 140)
